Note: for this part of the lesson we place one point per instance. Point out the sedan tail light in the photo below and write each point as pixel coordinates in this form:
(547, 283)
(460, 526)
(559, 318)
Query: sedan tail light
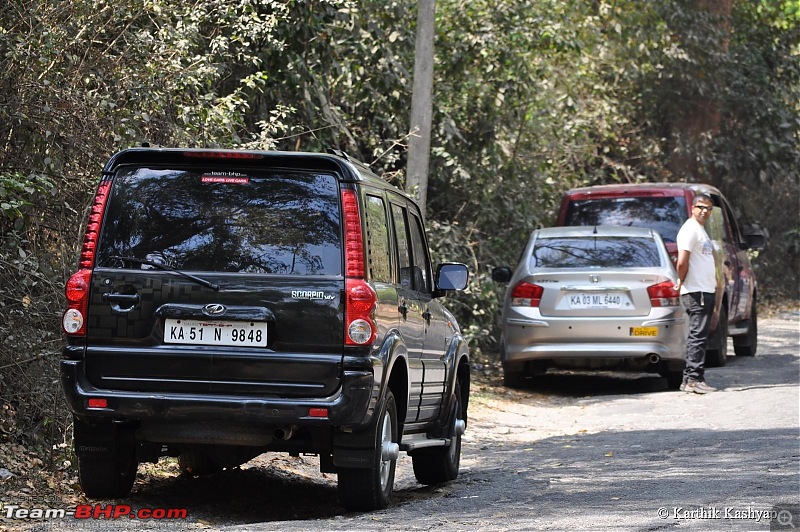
(664, 295)
(526, 295)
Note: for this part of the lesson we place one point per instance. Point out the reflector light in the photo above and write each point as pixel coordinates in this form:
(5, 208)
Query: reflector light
(317, 412)
(98, 403)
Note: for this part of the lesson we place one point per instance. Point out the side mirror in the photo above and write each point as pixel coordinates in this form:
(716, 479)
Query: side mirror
(501, 274)
(756, 238)
(451, 276)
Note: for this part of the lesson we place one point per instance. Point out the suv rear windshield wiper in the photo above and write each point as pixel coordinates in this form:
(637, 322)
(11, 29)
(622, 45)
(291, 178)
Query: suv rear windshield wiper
(168, 268)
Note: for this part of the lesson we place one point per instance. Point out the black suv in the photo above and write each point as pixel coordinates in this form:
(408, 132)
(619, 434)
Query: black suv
(229, 303)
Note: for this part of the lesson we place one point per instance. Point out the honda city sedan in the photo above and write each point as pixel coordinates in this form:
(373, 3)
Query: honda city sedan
(592, 298)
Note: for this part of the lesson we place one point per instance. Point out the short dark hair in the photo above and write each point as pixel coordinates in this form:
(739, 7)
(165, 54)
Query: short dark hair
(702, 196)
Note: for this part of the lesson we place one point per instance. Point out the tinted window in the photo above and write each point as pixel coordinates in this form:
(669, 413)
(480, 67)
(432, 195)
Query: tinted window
(595, 252)
(378, 238)
(403, 247)
(662, 214)
(259, 222)
(422, 273)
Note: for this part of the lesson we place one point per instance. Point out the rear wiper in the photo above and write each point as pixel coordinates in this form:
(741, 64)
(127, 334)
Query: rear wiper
(166, 267)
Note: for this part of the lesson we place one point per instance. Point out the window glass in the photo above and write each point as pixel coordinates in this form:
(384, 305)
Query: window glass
(595, 252)
(422, 274)
(253, 222)
(403, 247)
(378, 238)
(662, 214)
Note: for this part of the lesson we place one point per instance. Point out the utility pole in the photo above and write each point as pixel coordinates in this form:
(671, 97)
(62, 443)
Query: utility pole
(419, 145)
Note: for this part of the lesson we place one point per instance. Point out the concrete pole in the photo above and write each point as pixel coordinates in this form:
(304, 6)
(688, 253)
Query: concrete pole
(419, 145)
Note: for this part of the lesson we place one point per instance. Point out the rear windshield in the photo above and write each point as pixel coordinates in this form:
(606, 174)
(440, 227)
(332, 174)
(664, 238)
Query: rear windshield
(595, 252)
(662, 214)
(246, 222)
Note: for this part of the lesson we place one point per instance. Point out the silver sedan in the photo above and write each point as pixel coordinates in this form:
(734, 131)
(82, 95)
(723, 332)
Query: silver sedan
(592, 298)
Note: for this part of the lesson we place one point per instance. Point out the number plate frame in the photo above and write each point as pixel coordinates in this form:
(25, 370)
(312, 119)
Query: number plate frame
(215, 333)
(597, 300)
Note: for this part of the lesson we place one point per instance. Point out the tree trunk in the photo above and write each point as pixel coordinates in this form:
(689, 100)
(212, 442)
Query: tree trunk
(697, 119)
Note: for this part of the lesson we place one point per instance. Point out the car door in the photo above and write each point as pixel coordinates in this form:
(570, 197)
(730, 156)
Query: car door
(411, 324)
(435, 323)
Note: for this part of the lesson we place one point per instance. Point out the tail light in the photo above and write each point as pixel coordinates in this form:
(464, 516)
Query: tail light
(361, 301)
(664, 295)
(353, 241)
(526, 295)
(73, 321)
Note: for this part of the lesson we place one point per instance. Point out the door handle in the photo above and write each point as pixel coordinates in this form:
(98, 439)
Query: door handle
(121, 302)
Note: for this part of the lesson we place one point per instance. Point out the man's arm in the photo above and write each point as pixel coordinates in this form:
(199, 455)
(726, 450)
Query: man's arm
(682, 267)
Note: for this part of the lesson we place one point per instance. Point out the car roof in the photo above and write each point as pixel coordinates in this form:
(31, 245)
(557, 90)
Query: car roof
(348, 169)
(632, 188)
(595, 230)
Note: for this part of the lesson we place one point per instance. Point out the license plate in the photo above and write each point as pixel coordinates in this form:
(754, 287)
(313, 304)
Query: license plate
(600, 301)
(644, 331)
(201, 332)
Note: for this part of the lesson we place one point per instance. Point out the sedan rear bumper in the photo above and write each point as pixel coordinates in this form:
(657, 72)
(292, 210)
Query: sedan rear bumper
(540, 338)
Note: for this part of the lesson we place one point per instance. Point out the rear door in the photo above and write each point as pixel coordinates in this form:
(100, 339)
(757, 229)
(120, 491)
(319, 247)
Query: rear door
(218, 279)
(411, 322)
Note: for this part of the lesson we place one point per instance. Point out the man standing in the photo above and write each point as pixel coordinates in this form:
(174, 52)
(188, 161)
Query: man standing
(697, 284)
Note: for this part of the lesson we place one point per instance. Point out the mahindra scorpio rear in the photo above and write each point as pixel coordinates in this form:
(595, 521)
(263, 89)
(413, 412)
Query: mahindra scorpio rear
(225, 305)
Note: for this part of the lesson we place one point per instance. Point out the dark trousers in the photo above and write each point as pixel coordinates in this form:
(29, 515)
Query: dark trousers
(699, 307)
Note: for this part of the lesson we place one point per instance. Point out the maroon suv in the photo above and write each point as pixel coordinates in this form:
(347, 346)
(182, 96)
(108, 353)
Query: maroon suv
(664, 207)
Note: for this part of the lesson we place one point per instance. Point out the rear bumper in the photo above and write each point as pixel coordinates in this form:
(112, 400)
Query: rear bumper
(347, 407)
(546, 338)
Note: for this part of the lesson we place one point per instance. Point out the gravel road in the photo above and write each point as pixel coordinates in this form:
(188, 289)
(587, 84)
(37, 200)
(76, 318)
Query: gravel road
(571, 452)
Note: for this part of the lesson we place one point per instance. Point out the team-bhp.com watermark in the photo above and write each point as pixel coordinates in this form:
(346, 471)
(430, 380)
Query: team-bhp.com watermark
(785, 517)
(92, 511)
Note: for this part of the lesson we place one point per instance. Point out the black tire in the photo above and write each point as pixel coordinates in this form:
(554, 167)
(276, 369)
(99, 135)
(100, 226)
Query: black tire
(718, 355)
(440, 464)
(370, 488)
(513, 377)
(745, 345)
(674, 379)
(195, 462)
(108, 476)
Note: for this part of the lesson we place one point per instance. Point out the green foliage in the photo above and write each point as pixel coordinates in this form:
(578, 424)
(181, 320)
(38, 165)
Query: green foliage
(530, 98)
(18, 193)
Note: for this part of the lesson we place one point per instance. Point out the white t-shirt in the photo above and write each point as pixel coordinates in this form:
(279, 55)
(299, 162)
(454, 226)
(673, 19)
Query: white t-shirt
(702, 274)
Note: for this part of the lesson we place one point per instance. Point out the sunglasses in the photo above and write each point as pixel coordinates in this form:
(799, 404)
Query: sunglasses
(702, 207)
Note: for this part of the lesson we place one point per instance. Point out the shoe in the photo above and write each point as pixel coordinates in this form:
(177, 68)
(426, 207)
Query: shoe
(706, 387)
(683, 387)
(698, 387)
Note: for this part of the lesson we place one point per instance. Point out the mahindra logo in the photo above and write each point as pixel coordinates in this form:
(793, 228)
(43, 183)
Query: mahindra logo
(594, 278)
(214, 309)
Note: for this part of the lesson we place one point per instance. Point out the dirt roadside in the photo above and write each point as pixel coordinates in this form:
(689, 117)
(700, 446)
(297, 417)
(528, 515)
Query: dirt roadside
(556, 455)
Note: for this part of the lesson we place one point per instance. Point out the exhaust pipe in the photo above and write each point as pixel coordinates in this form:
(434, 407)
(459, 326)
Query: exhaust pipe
(283, 433)
(654, 359)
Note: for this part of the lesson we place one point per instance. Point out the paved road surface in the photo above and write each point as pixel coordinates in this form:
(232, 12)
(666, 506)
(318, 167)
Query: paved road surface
(573, 452)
